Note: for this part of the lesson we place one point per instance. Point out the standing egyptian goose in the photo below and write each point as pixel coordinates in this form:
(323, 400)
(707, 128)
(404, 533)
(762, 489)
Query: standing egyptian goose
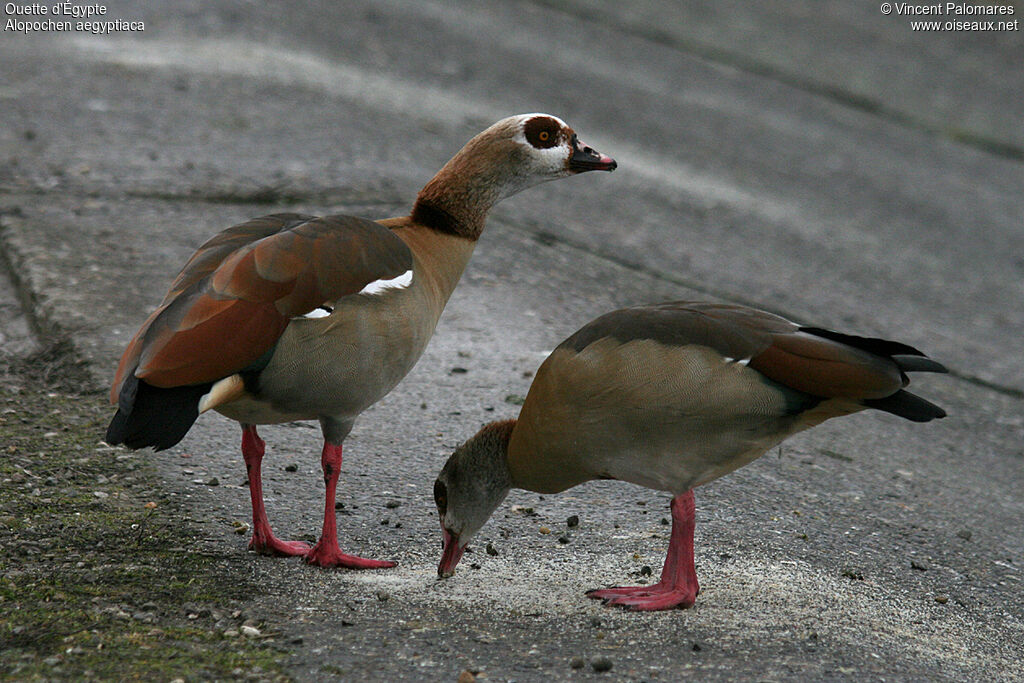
(670, 397)
(293, 317)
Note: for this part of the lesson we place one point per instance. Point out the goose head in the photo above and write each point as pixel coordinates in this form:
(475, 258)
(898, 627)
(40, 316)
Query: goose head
(551, 149)
(509, 156)
(469, 488)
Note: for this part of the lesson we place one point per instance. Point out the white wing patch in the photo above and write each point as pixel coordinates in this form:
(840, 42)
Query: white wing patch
(381, 286)
(376, 287)
(319, 312)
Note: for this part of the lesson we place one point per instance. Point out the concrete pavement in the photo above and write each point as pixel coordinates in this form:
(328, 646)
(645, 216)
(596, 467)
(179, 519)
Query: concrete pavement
(120, 154)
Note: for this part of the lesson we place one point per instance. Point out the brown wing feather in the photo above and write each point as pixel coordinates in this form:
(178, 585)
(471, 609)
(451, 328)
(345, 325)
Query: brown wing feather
(214, 251)
(775, 347)
(238, 292)
(826, 368)
(733, 331)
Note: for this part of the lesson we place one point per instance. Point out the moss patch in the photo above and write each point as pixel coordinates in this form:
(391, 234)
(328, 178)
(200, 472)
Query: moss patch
(99, 576)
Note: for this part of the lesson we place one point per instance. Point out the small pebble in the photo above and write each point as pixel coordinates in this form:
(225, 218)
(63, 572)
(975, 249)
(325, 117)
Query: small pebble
(515, 399)
(291, 468)
(466, 677)
(573, 522)
(392, 504)
(601, 664)
(474, 566)
(577, 662)
(491, 550)
(458, 371)
(383, 596)
(918, 565)
(645, 570)
(941, 599)
(213, 481)
(564, 539)
(545, 530)
(697, 647)
(664, 521)
(250, 631)
(385, 521)
(964, 534)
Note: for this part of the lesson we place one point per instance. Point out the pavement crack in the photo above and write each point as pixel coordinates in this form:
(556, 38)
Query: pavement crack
(34, 349)
(269, 195)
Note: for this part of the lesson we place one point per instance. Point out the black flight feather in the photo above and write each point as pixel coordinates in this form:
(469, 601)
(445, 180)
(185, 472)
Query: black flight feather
(152, 416)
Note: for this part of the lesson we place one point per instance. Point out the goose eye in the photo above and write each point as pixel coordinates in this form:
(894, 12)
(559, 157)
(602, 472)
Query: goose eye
(544, 136)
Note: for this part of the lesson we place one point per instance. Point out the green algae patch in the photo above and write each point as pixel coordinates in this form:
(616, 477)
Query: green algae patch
(101, 578)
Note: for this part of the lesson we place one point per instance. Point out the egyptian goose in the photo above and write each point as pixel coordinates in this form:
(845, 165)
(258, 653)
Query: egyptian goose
(670, 397)
(295, 317)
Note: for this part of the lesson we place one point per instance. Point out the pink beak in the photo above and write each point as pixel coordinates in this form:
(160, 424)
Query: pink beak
(450, 556)
(585, 158)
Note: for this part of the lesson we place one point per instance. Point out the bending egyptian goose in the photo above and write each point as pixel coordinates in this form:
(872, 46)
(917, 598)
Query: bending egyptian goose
(294, 317)
(670, 397)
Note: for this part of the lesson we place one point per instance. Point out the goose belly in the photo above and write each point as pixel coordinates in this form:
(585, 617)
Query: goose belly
(665, 417)
(687, 454)
(339, 365)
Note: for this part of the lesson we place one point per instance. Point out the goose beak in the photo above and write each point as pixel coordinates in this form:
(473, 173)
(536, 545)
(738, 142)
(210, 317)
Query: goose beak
(586, 158)
(450, 556)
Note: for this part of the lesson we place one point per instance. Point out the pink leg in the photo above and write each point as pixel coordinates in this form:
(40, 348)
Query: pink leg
(263, 540)
(678, 586)
(326, 553)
